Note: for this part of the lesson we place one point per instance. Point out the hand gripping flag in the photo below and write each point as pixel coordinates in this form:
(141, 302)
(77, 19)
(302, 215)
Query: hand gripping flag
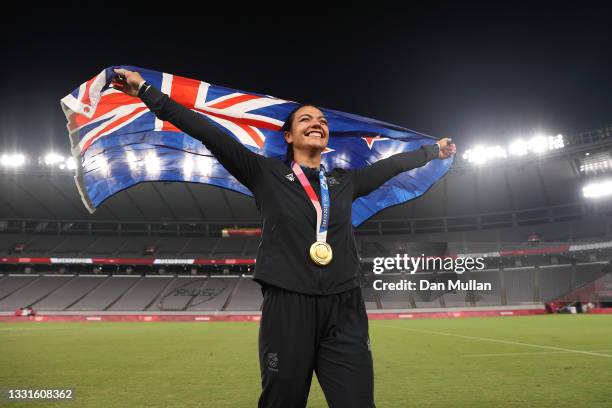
(117, 142)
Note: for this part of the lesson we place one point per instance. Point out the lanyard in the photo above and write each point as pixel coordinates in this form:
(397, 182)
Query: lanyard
(321, 208)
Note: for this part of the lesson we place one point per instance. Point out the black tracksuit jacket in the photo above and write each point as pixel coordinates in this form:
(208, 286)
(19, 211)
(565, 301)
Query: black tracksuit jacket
(287, 215)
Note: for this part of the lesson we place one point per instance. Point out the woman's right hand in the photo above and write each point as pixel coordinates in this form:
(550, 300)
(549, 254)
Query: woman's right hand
(127, 81)
(447, 148)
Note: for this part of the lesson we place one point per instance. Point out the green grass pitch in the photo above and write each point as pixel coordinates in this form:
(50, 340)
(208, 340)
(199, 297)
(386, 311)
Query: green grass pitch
(538, 361)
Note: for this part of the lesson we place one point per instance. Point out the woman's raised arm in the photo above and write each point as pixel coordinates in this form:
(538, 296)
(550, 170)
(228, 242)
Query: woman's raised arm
(237, 159)
(369, 178)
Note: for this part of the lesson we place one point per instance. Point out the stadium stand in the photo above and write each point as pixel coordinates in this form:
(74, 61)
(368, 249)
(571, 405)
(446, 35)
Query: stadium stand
(427, 299)
(553, 281)
(102, 296)
(73, 245)
(215, 294)
(34, 291)
(528, 285)
(395, 299)
(199, 246)
(520, 285)
(142, 294)
(492, 297)
(10, 284)
(103, 246)
(70, 293)
(246, 296)
(178, 294)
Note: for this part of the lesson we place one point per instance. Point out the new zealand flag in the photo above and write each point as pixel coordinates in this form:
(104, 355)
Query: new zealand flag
(117, 142)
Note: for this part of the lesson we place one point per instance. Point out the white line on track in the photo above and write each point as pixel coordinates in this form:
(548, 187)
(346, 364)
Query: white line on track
(529, 353)
(30, 328)
(513, 343)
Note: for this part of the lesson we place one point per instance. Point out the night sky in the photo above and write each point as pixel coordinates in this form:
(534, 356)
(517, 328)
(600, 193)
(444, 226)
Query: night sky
(475, 74)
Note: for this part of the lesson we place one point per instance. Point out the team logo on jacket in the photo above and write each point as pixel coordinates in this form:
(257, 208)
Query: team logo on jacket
(290, 177)
(272, 361)
(332, 181)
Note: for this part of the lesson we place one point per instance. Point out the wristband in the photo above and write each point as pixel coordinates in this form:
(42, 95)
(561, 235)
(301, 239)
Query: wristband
(143, 87)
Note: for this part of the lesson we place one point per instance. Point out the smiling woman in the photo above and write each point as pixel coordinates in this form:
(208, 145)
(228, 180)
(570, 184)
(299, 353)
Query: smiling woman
(305, 123)
(313, 314)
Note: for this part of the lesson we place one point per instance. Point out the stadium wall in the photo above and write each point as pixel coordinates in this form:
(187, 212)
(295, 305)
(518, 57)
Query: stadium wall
(256, 316)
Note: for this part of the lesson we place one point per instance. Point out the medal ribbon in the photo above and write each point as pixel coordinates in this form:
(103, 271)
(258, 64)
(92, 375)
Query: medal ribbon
(322, 212)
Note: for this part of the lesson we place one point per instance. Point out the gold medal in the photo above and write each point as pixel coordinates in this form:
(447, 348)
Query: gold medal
(321, 253)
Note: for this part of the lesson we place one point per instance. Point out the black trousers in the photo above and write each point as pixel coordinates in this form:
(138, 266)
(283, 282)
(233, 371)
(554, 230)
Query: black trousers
(328, 334)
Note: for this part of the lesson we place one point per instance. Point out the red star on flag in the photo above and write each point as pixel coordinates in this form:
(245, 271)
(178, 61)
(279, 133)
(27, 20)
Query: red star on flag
(327, 150)
(370, 140)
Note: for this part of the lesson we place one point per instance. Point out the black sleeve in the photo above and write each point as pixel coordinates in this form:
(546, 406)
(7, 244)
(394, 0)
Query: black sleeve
(369, 178)
(237, 159)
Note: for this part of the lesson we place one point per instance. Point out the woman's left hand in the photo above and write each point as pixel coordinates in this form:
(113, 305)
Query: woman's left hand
(447, 148)
(127, 81)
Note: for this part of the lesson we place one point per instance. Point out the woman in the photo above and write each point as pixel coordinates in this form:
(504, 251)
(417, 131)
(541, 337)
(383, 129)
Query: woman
(313, 314)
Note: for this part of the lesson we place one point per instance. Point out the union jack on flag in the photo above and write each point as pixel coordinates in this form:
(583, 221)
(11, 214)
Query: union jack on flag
(117, 142)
